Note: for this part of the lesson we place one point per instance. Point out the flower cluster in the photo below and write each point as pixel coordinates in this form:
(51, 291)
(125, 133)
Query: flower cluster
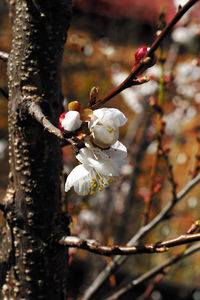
(103, 155)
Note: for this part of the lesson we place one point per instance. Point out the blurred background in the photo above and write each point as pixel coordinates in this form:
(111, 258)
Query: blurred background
(102, 40)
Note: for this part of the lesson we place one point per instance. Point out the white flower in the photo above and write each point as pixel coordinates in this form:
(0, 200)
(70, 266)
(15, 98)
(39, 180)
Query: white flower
(104, 126)
(184, 35)
(97, 169)
(103, 155)
(71, 121)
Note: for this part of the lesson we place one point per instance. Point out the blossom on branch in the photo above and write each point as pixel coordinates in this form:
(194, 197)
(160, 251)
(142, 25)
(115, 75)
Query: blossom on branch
(70, 121)
(103, 155)
(104, 126)
(97, 170)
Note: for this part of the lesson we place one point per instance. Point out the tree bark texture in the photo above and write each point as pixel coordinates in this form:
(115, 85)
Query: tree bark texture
(37, 266)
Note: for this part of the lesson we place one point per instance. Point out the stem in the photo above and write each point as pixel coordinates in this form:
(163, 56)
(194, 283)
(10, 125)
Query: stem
(142, 232)
(128, 81)
(97, 248)
(153, 272)
(4, 56)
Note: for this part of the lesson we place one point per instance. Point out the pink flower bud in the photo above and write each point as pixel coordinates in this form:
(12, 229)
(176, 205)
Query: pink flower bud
(61, 118)
(70, 121)
(140, 53)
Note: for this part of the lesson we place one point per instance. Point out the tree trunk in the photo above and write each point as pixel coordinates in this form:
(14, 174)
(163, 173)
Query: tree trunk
(37, 264)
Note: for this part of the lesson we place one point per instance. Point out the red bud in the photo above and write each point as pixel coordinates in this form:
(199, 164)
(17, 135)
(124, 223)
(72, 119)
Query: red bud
(139, 55)
(61, 118)
(157, 188)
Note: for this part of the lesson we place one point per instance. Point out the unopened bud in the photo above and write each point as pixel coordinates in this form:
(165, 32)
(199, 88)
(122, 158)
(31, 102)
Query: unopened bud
(93, 94)
(61, 118)
(148, 61)
(69, 121)
(140, 53)
(157, 188)
(74, 105)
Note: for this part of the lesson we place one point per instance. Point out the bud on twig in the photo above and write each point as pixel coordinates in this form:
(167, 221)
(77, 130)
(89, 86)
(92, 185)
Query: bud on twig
(140, 58)
(93, 95)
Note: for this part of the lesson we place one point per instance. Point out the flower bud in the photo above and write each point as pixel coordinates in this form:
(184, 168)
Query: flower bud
(61, 118)
(69, 121)
(93, 94)
(140, 53)
(74, 105)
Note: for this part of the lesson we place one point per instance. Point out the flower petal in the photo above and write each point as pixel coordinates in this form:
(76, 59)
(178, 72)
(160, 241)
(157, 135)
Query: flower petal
(71, 121)
(117, 152)
(79, 178)
(109, 116)
(99, 161)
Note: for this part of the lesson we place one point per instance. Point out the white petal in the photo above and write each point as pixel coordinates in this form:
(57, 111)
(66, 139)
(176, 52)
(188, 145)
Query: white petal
(108, 168)
(99, 161)
(84, 154)
(109, 116)
(71, 121)
(79, 178)
(117, 152)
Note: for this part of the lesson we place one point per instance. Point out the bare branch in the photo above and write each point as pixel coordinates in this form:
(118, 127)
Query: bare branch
(153, 272)
(143, 64)
(36, 112)
(67, 139)
(96, 247)
(119, 260)
(4, 56)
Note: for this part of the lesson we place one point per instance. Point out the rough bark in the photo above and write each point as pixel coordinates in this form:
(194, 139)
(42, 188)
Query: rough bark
(38, 265)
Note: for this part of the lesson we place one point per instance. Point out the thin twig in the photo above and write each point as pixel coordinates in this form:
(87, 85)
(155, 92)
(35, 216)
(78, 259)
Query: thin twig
(153, 272)
(97, 248)
(159, 138)
(128, 82)
(148, 201)
(119, 260)
(4, 56)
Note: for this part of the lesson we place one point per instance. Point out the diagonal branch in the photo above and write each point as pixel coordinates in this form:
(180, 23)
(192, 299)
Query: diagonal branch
(97, 248)
(144, 63)
(4, 56)
(36, 112)
(153, 272)
(66, 138)
(119, 260)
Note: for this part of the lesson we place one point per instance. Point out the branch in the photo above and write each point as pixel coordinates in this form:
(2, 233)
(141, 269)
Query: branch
(129, 81)
(119, 260)
(96, 247)
(67, 138)
(153, 272)
(4, 56)
(36, 112)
